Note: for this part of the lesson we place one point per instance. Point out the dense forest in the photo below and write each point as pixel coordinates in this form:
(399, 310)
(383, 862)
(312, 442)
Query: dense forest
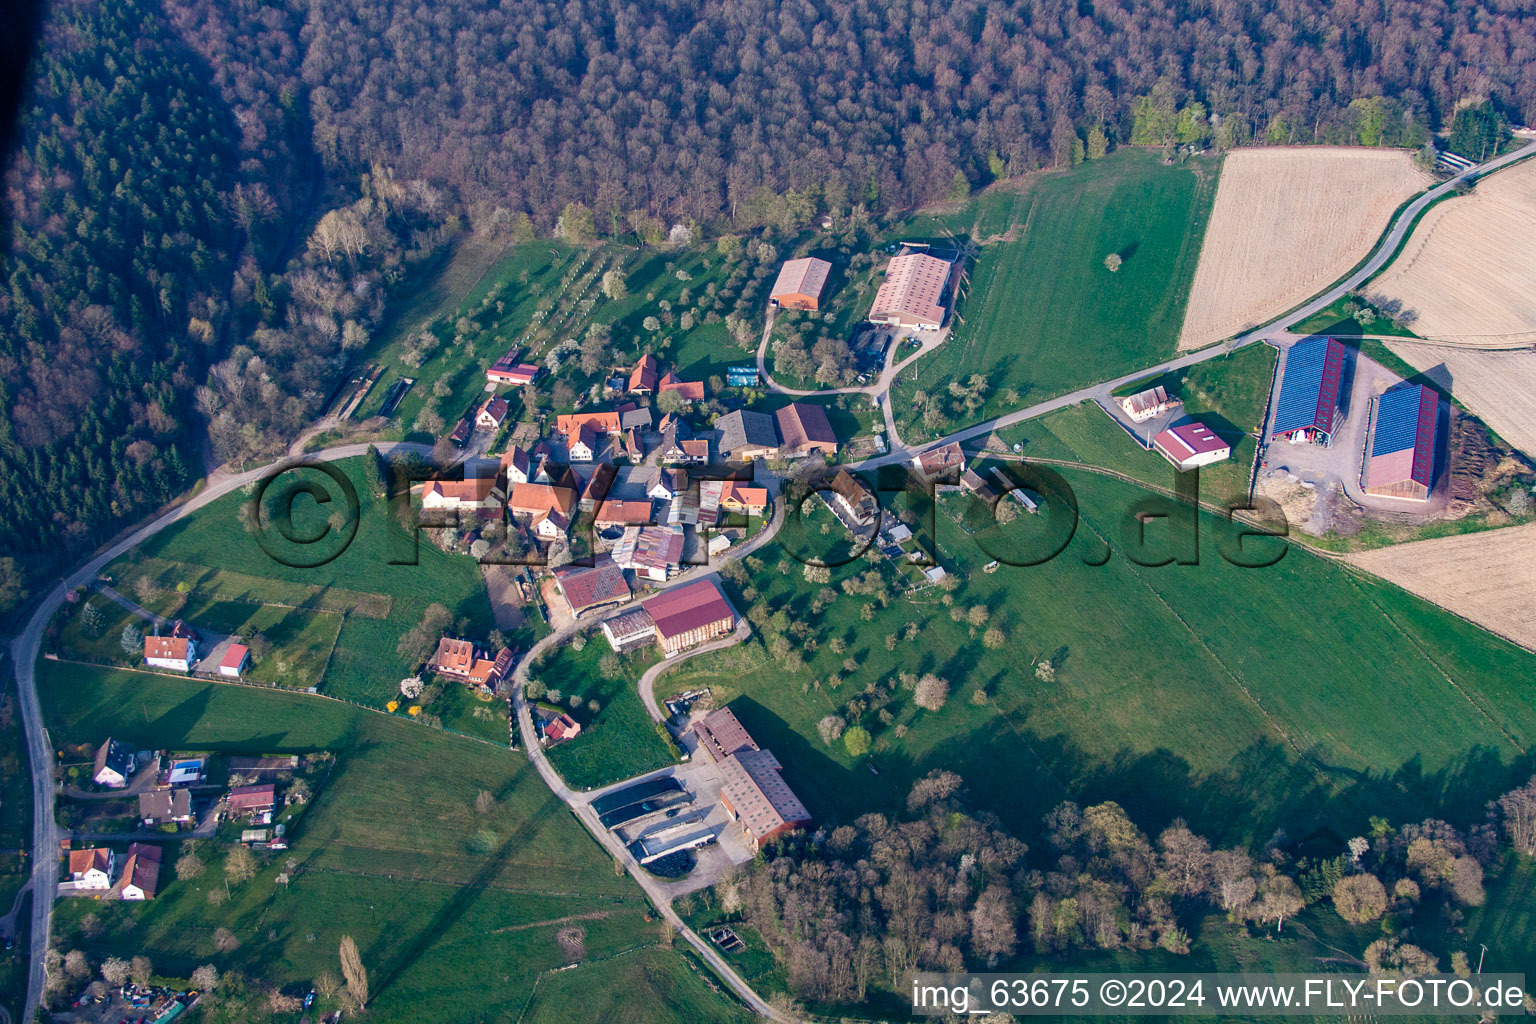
(855, 909)
(209, 202)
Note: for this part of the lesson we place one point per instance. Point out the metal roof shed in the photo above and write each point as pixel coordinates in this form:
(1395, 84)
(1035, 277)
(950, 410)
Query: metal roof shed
(1310, 389)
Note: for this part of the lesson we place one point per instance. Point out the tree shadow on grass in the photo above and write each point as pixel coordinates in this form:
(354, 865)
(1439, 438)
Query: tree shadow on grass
(463, 897)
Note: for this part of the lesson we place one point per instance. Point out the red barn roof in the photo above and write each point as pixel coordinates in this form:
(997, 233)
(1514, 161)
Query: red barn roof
(681, 609)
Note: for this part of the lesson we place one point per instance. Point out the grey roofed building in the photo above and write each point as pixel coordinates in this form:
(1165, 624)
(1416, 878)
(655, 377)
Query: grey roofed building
(640, 418)
(748, 432)
(165, 805)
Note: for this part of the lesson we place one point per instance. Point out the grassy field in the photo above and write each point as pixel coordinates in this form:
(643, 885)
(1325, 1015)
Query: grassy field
(634, 988)
(384, 600)
(1243, 700)
(1043, 315)
(1227, 394)
(618, 741)
(1334, 322)
(455, 900)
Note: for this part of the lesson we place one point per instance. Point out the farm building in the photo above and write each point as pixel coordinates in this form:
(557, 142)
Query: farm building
(114, 763)
(800, 283)
(747, 435)
(588, 588)
(237, 658)
(1190, 445)
(1310, 390)
(507, 370)
(804, 429)
(1403, 443)
(912, 294)
(1144, 405)
(753, 791)
(690, 615)
(177, 650)
(629, 631)
(722, 735)
(653, 552)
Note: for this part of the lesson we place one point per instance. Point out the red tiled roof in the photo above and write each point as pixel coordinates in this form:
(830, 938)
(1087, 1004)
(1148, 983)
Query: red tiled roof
(533, 499)
(171, 647)
(681, 609)
(247, 798)
(801, 424)
(474, 490)
(81, 861)
(623, 513)
(234, 656)
(588, 588)
(569, 425)
(692, 390)
(645, 373)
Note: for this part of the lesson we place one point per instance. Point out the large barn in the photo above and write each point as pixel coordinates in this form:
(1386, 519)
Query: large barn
(912, 294)
(1310, 390)
(1403, 443)
(800, 283)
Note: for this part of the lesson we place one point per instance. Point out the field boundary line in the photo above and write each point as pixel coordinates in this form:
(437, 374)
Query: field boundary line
(1270, 718)
(1425, 654)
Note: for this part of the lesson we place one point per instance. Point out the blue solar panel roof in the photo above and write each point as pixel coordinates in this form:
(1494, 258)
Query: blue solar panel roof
(1397, 419)
(1309, 390)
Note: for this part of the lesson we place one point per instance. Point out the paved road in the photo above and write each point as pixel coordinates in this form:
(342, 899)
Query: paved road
(25, 647)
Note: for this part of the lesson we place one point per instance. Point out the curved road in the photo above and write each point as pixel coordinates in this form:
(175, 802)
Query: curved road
(27, 645)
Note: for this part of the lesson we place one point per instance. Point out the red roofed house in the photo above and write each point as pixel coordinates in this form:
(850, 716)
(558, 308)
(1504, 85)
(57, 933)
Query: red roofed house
(92, 868)
(586, 444)
(460, 661)
(236, 660)
(588, 588)
(492, 414)
(177, 650)
(689, 390)
(560, 728)
(622, 513)
(689, 615)
(738, 497)
(603, 422)
(1191, 444)
(642, 380)
(799, 284)
(479, 495)
(547, 508)
(141, 872)
(912, 294)
(804, 429)
(945, 460)
(252, 799)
